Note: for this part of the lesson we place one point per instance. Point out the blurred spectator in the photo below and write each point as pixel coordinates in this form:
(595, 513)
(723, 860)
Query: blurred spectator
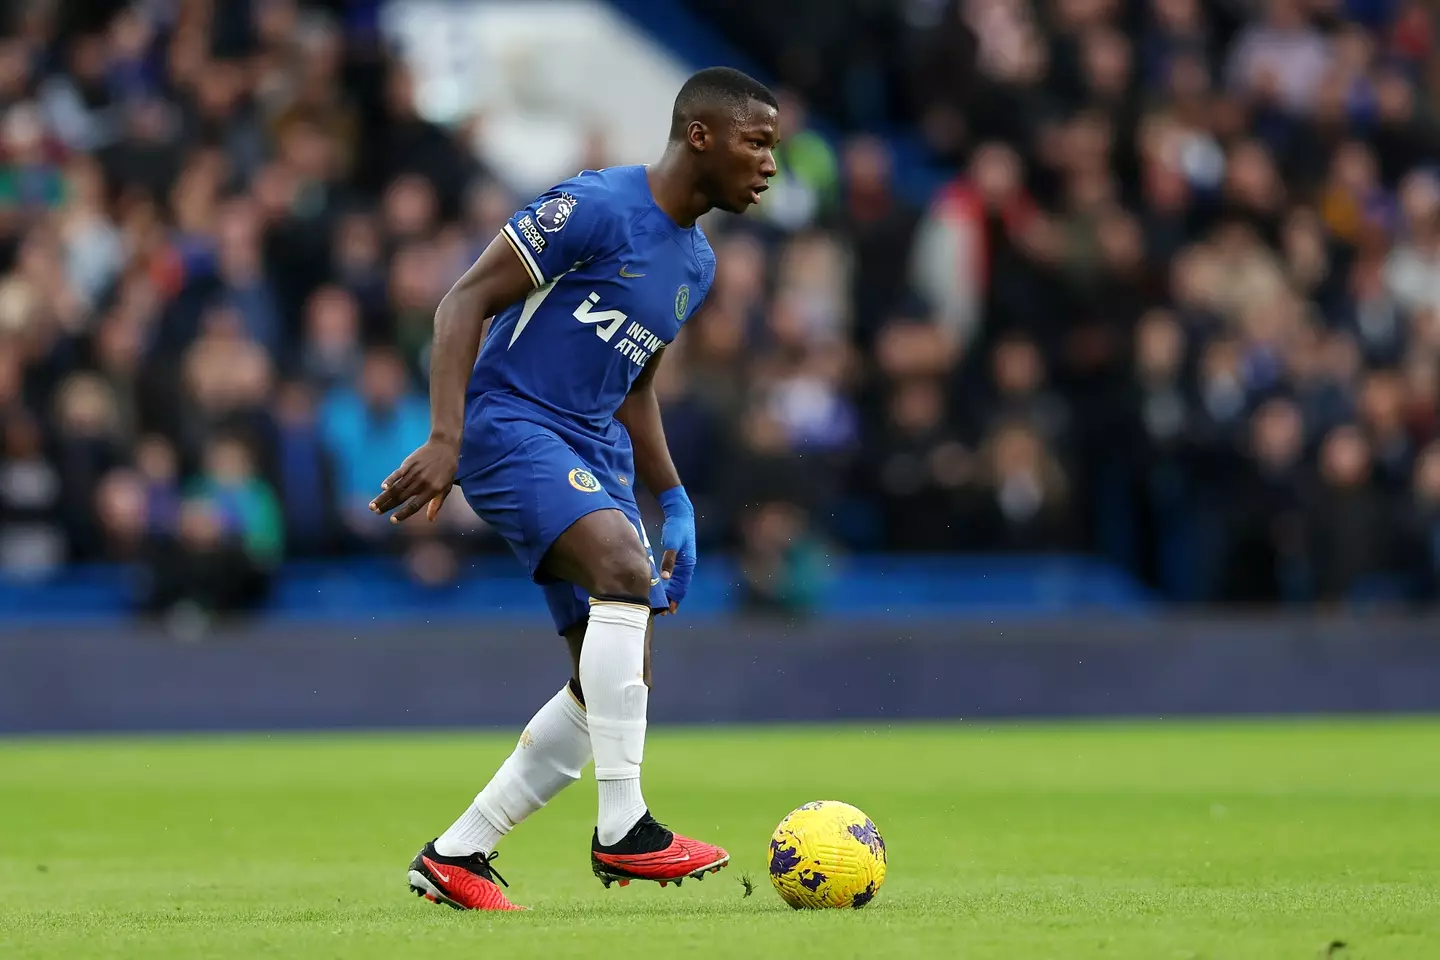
(415, 290)
(944, 74)
(158, 466)
(969, 241)
(1019, 393)
(1024, 501)
(1280, 59)
(78, 102)
(238, 281)
(229, 484)
(306, 478)
(32, 542)
(1422, 524)
(1382, 408)
(147, 153)
(879, 224)
(414, 145)
(227, 379)
(220, 114)
(368, 429)
(88, 444)
(922, 473)
(1412, 270)
(30, 179)
(94, 253)
(781, 563)
(358, 264)
(227, 541)
(763, 466)
(332, 349)
(123, 513)
(1264, 520)
(1348, 524)
(1151, 521)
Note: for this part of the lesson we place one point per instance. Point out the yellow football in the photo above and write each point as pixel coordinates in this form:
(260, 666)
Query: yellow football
(827, 854)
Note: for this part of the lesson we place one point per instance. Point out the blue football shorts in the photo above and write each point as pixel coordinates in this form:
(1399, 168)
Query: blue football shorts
(528, 483)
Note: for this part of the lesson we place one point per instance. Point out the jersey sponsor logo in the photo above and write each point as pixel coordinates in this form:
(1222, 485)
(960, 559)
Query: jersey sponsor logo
(608, 321)
(531, 235)
(637, 345)
(555, 212)
(625, 272)
(682, 301)
(584, 481)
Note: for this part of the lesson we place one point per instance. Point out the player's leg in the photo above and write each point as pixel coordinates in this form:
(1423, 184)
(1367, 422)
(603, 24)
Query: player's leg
(552, 750)
(575, 639)
(612, 664)
(603, 555)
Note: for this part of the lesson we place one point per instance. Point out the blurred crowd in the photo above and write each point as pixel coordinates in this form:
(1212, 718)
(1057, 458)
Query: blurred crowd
(1176, 303)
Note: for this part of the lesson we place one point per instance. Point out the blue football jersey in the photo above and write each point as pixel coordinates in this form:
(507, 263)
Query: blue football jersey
(615, 279)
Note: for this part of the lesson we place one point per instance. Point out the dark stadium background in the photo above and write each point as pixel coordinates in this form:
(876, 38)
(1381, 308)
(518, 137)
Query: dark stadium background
(1089, 332)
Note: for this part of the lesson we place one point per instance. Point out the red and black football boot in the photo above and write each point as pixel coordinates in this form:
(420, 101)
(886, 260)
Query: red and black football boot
(465, 883)
(651, 852)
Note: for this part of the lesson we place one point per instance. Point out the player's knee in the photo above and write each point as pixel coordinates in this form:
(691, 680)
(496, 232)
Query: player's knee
(621, 572)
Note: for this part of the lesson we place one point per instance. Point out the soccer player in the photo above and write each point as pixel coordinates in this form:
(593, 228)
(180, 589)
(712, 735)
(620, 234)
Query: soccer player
(559, 421)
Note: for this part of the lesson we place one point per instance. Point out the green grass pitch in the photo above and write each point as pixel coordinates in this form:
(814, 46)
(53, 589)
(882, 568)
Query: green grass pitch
(1159, 841)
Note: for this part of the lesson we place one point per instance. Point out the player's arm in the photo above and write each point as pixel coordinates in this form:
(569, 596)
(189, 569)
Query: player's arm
(492, 283)
(640, 415)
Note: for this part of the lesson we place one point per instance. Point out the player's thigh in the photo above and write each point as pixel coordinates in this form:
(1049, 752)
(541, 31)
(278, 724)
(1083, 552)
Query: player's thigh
(575, 640)
(569, 604)
(533, 493)
(602, 553)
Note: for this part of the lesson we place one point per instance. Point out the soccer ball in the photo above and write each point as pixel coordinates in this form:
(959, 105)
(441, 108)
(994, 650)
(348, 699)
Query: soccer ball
(827, 854)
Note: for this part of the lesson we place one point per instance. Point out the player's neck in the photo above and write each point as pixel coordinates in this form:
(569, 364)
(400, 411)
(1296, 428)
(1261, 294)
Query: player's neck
(674, 190)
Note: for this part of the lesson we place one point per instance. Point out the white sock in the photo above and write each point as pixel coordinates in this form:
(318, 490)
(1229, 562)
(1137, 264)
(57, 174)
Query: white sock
(621, 804)
(472, 833)
(551, 752)
(612, 673)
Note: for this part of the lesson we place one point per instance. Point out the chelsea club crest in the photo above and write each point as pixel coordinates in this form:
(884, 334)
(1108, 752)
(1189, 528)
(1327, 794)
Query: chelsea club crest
(682, 301)
(584, 481)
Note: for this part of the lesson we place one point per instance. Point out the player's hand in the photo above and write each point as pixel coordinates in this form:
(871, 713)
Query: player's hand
(678, 539)
(424, 478)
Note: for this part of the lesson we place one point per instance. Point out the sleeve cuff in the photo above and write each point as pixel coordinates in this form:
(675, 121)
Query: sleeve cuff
(527, 259)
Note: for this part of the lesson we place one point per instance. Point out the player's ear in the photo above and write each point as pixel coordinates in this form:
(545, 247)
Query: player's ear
(698, 135)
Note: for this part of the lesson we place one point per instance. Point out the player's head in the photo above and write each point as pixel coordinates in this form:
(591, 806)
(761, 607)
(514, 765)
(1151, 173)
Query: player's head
(729, 124)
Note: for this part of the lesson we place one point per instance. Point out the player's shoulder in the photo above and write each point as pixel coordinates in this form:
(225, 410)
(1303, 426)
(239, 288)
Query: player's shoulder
(704, 255)
(614, 192)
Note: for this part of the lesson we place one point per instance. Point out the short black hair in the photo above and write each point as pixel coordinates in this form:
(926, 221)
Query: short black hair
(716, 87)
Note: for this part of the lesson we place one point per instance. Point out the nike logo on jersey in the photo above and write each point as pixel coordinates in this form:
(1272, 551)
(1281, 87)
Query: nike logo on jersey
(625, 272)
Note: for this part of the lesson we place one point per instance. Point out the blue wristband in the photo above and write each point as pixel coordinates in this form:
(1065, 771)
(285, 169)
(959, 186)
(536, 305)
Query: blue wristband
(678, 535)
(675, 499)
